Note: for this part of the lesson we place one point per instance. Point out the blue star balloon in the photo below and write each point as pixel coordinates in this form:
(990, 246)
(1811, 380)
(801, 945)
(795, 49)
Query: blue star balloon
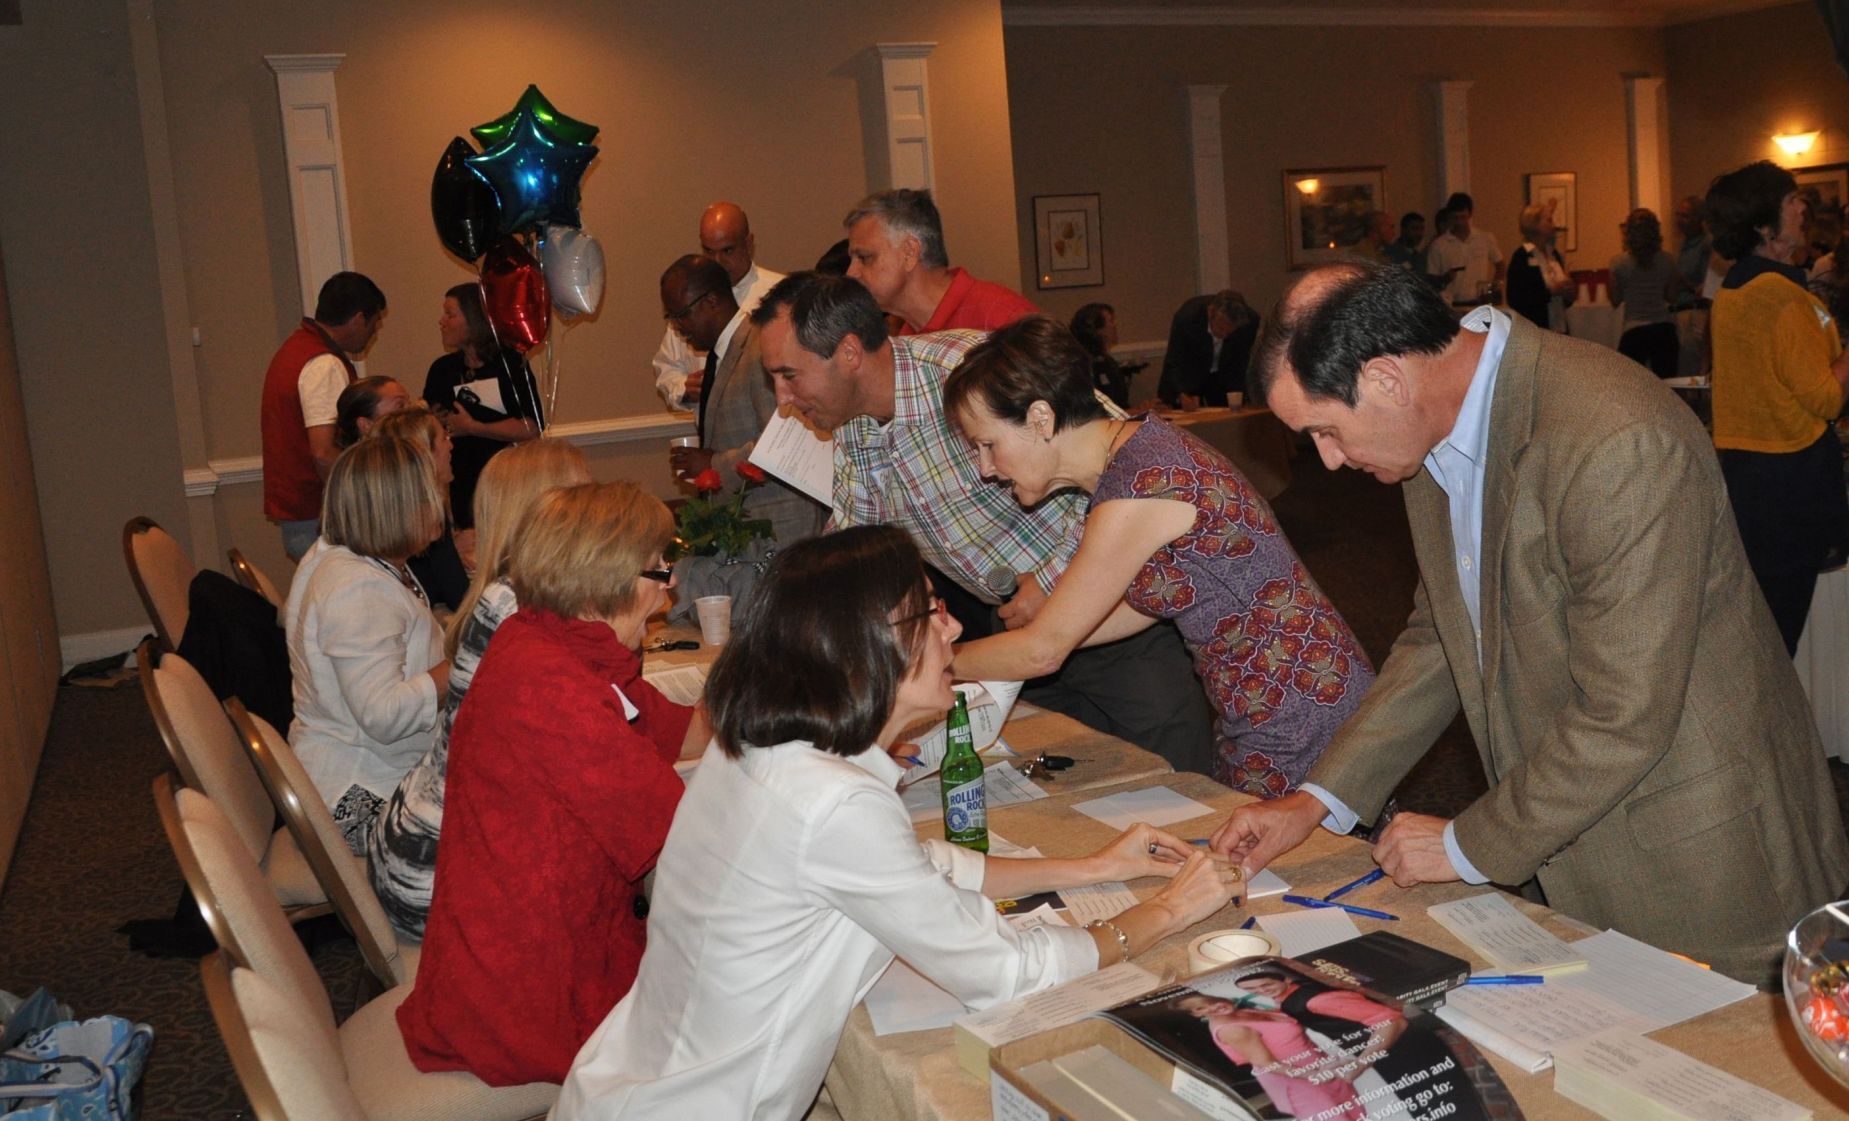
(536, 175)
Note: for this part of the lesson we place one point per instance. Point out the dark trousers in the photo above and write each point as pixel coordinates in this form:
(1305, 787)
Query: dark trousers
(1141, 689)
(1654, 346)
(1793, 516)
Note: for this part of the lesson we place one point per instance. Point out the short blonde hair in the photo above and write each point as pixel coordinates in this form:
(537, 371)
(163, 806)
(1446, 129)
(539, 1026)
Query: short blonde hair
(579, 551)
(382, 499)
(413, 422)
(510, 484)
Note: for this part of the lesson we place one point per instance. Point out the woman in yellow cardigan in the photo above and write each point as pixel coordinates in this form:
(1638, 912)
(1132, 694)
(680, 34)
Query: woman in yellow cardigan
(1780, 374)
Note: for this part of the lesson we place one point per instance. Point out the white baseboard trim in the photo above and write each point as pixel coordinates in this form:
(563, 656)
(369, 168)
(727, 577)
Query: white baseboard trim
(203, 482)
(76, 648)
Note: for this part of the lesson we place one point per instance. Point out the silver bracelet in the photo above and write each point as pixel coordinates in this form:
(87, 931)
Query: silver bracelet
(1123, 941)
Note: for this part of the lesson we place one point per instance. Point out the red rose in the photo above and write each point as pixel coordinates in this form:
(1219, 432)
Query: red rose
(708, 480)
(751, 472)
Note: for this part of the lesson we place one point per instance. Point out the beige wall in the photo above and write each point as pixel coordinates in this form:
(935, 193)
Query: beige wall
(1737, 80)
(728, 100)
(1102, 109)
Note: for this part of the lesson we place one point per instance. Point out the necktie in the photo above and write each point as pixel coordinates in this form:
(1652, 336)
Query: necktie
(706, 391)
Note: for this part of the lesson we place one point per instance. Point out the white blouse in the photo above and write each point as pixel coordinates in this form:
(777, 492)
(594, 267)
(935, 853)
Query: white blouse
(361, 645)
(789, 879)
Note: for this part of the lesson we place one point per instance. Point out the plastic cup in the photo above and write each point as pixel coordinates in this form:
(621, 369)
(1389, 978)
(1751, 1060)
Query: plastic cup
(715, 614)
(1235, 399)
(683, 442)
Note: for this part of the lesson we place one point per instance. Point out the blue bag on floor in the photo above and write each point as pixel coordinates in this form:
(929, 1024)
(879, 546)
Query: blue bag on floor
(75, 1071)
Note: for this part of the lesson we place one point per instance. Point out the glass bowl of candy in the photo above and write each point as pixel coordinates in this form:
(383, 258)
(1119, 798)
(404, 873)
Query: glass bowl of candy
(1817, 985)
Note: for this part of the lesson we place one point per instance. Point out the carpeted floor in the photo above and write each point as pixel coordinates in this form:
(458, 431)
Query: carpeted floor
(91, 855)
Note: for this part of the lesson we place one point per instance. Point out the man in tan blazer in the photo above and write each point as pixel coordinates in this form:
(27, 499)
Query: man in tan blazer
(737, 400)
(1584, 597)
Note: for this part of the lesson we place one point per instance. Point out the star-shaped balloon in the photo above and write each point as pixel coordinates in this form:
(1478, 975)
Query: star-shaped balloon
(535, 174)
(568, 129)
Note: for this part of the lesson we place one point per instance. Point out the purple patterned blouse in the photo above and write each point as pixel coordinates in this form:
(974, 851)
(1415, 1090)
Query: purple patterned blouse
(1280, 666)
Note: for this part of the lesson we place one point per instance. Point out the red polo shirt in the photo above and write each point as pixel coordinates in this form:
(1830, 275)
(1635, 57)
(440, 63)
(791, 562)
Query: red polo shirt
(975, 304)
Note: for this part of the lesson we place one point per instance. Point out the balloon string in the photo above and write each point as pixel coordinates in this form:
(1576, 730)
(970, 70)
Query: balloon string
(523, 386)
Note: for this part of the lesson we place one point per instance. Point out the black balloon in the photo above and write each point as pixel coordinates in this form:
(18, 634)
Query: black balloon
(464, 205)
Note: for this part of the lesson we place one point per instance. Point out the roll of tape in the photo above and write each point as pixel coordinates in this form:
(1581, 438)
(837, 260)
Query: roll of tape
(1218, 947)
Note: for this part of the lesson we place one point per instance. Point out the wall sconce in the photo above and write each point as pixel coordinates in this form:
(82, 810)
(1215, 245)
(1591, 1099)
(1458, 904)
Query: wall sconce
(1795, 143)
(1309, 186)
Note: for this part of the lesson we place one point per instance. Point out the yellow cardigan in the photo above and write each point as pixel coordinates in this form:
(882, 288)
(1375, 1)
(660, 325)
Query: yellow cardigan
(1773, 345)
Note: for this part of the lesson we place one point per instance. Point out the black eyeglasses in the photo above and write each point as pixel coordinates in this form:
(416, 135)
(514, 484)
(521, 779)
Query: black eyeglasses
(675, 316)
(938, 607)
(659, 575)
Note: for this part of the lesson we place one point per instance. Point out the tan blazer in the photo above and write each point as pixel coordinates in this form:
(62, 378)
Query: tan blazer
(741, 404)
(1653, 761)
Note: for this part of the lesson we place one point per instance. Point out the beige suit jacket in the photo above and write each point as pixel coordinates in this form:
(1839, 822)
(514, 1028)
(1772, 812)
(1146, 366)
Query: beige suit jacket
(1653, 761)
(740, 404)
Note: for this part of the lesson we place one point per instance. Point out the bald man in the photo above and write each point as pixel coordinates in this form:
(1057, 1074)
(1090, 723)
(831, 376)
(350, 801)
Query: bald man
(726, 237)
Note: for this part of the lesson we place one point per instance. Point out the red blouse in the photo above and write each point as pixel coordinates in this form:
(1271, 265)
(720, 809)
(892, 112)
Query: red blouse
(556, 807)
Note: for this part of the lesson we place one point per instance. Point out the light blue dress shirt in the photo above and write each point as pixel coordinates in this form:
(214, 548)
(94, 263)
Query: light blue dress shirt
(1458, 465)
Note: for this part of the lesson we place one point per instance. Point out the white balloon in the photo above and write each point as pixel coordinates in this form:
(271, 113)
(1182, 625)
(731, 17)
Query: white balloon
(573, 263)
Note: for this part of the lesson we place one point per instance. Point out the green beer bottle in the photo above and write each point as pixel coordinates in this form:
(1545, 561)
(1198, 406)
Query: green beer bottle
(966, 801)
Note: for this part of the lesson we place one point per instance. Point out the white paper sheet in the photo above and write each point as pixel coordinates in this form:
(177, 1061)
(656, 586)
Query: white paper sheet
(799, 455)
(989, 704)
(1004, 786)
(1647, 1071)
(1661, 987)
(1156, 805)
(680, 684)
(1002, 846)
(1515, 943)
(1489, 1039)
(1542, 1017)
(1300, 932)
(1265, 882)
(1043, 915)
(904, 999)
(1096, 901)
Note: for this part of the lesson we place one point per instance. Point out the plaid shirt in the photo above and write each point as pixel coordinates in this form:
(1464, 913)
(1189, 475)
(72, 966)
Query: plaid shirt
(918, 473)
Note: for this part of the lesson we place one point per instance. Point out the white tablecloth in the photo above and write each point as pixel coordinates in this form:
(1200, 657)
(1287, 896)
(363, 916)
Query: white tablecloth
(1823, 661)
(1598, 322)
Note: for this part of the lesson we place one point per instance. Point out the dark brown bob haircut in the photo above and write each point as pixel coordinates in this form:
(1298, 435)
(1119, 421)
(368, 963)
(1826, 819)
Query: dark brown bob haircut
(1032, 359)
(816, 656)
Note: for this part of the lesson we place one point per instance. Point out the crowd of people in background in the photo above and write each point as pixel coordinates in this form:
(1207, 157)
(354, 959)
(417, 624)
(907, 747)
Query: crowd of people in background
(466, 621)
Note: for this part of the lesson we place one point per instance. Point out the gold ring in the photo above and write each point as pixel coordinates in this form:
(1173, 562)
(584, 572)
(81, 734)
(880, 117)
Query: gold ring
(1239, 873)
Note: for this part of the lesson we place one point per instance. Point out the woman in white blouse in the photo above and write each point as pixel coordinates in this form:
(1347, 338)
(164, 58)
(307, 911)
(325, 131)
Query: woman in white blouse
(792, 875)
(365, 651)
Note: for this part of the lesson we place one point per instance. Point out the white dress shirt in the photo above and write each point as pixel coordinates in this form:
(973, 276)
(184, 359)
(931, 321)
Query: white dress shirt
(675, 359)
(1478, 256)
(361, 645)
(789, 879)
(1458, 465)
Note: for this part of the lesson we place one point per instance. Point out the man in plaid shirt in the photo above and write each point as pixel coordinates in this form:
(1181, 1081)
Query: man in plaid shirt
(898, 461)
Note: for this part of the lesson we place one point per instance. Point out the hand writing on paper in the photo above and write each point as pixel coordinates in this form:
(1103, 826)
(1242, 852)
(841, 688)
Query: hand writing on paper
(1412, 850)
(1259, 833)
(1027, 601)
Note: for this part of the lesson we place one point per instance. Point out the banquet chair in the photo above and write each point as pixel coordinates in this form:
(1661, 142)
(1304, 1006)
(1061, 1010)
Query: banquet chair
(342, 874)
(250, 576)
(162, 572)
(276, 1018)
(206, 751)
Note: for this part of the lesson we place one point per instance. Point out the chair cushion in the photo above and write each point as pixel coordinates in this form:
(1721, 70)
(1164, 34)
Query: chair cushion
(300, 1057)
(288, 872)
(391, 1089)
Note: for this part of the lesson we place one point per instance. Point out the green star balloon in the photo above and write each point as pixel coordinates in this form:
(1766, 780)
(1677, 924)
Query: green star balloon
(568, 130)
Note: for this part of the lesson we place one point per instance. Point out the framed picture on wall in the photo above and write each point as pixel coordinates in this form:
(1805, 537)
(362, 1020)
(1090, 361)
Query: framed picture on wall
(1326, 211)
(1068, 243)
(1827, 184)
(1562, 189)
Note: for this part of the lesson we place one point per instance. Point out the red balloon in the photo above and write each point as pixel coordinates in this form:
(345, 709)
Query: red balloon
(519, 305)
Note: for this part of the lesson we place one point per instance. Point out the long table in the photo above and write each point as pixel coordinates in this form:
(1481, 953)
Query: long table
(914, 1076)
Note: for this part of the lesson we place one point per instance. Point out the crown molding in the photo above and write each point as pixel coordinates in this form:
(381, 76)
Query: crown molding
(1142, 15)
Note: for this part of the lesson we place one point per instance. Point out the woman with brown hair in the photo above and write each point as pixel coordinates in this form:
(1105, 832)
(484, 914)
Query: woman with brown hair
(560, 788)
(484, 393)
(1645, 280)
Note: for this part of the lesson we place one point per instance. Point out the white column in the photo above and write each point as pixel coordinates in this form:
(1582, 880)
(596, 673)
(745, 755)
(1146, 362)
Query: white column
(906, 91)
(1643, 102)
(1454, 136)
(1212, 267)
(317, 186)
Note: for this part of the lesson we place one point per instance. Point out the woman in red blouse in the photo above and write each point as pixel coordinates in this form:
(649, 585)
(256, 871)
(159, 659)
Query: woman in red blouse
(561, 786)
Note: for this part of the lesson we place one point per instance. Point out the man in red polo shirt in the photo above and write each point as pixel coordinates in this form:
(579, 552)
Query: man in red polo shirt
(300, 393)
(895, 241)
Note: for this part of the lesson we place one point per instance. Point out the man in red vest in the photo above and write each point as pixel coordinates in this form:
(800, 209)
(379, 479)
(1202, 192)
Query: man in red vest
(895, 241)
(300, 392)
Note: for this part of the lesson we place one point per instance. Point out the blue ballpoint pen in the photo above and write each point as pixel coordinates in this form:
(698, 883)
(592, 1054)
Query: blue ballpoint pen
(1371, 877)
(912, 759)
(1522, 979)
(1306, 901)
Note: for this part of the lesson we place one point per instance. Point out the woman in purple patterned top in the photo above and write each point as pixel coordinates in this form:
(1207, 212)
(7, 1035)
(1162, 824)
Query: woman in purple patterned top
(1174, 532)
